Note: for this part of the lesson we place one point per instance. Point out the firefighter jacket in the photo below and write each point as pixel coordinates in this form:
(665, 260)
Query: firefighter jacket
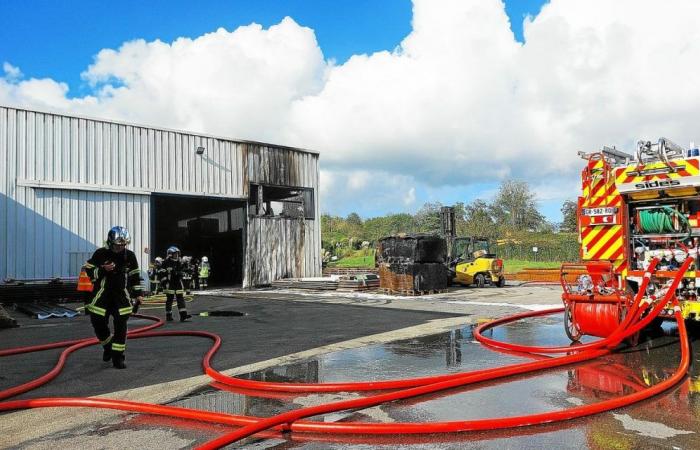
(153, 273)
(113, 289)
(171, 273)
(204, 270)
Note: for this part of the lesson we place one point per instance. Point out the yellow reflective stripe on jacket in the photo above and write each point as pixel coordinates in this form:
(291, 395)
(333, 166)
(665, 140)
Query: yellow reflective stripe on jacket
(118, 347)
(87, 265)
(135, 272)
(99, 293)
(97, 310)
(125, 311)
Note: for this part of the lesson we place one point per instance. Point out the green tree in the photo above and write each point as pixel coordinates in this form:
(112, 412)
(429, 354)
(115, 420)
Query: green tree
(478, 220)
(354, 220)
(570, 222)
(515, 207)
(428, 218)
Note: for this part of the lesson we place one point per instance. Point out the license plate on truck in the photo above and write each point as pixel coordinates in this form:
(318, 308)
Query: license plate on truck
(607, 211)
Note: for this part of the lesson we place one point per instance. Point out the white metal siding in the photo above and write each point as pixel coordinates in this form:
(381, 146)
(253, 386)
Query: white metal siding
(75, 150)
(65, 180)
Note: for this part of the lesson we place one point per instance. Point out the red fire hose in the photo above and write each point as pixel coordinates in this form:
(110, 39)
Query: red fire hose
(409, 388)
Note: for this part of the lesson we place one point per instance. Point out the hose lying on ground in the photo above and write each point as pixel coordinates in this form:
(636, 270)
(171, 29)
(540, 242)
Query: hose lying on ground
(640, 316)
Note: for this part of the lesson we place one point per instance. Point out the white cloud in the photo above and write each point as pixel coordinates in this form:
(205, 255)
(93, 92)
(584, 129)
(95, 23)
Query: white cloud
(410, 197)
(459, 102)
(11, 72)
(359, 180)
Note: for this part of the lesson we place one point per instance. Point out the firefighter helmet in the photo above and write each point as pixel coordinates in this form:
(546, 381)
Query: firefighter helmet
(173, 251)
(205, 259)
(118, 236)
(159, 260)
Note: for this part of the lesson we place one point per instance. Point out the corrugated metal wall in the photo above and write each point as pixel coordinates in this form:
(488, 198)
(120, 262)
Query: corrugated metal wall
(282, 247)
(66, 180)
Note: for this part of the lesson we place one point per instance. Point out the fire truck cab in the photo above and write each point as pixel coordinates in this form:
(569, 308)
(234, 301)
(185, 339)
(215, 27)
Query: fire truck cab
(635, 207)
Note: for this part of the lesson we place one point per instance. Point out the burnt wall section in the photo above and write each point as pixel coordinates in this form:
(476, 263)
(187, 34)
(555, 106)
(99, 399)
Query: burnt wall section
(281, 248)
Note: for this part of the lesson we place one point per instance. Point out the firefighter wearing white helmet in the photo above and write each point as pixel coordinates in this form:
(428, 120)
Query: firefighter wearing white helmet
(204, 272)
(153, 275)
(116, 278)
(171, 274)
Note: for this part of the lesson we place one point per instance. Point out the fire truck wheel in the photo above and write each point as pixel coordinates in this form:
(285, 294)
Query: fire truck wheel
(501, 281)
(479, 280)
(569, 326)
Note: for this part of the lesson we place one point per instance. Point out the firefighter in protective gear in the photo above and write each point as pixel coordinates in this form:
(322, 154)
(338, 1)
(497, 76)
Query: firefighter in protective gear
(153, 275)
(204, 271)
(171, 274)
(116, 278)
(187, 273)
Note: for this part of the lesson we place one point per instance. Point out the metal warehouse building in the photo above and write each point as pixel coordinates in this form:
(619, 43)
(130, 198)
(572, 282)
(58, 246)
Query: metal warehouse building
(252, 208)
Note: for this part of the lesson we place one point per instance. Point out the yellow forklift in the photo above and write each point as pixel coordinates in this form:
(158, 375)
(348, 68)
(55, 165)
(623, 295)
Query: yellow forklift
(473, 264)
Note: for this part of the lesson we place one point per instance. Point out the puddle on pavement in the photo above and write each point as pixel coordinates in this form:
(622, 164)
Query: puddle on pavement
(631, 370)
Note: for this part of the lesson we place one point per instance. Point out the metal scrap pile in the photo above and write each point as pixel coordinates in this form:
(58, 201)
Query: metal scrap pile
(5, 320)
(359, 282)
(412, 264)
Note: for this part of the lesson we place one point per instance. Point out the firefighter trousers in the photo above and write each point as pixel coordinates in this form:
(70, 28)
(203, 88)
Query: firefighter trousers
(181, 305)
(116, 341)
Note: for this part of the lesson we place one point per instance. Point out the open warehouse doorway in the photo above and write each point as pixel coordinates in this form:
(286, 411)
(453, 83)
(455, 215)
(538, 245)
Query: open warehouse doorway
(201, 226)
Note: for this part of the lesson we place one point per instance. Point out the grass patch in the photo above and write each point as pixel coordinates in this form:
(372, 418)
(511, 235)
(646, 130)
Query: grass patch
(516, 265)
(364, 262)
(362, 259)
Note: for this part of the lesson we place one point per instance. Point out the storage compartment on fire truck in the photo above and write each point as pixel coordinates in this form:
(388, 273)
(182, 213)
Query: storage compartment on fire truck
(666, 228)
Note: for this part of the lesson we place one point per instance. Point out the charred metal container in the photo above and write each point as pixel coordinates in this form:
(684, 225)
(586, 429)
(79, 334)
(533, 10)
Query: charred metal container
(416, 248)
(412, 264)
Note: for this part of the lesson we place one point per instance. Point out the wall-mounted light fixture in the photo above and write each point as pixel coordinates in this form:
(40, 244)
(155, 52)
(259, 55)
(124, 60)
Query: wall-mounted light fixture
(200, 150)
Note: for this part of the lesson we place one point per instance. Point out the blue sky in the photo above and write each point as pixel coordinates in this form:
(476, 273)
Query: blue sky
(58, 40)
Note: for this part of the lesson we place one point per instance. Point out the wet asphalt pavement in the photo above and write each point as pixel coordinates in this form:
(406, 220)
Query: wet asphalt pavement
(270, 328)
(668, 421)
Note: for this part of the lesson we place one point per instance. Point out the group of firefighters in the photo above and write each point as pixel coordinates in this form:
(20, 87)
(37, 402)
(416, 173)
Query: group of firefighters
(195, 273)
(117, 288)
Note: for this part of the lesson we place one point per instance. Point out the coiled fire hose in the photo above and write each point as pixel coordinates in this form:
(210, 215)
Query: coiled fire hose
(660, 220)
(409, 388)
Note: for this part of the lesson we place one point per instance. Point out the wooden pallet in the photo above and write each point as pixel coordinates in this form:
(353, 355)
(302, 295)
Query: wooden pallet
(410, 292)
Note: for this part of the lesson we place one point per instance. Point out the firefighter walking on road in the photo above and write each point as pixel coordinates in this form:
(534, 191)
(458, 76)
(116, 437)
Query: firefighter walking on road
(116, 278)
(171, 276)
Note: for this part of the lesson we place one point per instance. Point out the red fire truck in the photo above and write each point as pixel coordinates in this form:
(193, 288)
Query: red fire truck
(633, 208)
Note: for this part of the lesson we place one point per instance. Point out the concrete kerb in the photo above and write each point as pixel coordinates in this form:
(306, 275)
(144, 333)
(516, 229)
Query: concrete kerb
(23, 426)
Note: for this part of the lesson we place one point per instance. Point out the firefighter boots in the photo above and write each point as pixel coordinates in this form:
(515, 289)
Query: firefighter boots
(118, 360)
(184, 317)
(107, 353)
(169, 316)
